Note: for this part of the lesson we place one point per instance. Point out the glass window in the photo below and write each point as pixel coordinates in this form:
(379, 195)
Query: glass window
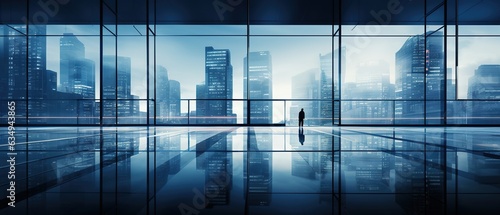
(298, 63)
(205, 68)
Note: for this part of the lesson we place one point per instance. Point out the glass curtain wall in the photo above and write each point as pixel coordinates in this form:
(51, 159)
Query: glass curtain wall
(301, 61)
(107, 63)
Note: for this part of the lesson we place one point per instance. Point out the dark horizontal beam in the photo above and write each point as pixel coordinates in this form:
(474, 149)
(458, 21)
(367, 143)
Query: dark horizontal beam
(242, 12)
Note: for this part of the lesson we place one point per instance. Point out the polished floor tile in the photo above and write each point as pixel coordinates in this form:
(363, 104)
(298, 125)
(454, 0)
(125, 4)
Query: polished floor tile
(252, 170)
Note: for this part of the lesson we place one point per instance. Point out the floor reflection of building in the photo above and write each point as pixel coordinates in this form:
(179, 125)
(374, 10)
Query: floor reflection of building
(80, 159)
(483, 167)
(326, 168)
(77, 170)
(372, 168)
(168, 158)
(55, 159)
(43, 158)
(128, 146)
(58, 161)
(419, 182)
(258, 169)
(219, 173)
(313, 161)
(305, 161)
(212, 156)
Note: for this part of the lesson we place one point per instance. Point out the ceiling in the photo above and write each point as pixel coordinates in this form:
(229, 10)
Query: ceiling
(258, 12)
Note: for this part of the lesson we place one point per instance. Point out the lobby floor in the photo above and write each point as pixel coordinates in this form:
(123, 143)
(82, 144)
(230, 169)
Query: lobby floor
(251, 170)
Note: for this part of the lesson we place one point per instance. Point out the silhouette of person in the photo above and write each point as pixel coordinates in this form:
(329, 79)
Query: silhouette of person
(302, 115)
(302, 137)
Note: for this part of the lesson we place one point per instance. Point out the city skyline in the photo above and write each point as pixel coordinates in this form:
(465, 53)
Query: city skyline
(470, 57)
(73, 62)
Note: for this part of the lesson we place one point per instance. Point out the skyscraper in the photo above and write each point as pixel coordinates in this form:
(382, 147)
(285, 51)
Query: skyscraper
(218, 87)
(168, 97)
(257, 84)
(306, 86)
(372, 83)
(25, 67)
(201, 104)
(420, 81)
(338, 81)
(162, 94)
(326, 89)
(116, 79)
(174, 98)
(77, 75)
(4, 67)
(117, 97)
(484, 85)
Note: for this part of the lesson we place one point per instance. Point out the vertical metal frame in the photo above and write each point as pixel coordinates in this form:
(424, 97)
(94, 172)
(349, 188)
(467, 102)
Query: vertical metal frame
(339, 60)
(425, 64)
(456, 49)
(443, 91)
(116, 63)
(101, 52)
(104, 5)
(247, 68)
(147, 71)
(445, 64)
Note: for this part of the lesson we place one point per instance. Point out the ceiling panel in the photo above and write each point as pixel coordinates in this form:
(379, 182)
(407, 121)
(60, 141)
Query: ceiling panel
(258, 12)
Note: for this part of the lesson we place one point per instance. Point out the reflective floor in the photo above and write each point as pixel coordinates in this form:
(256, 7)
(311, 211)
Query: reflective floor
(251, 170)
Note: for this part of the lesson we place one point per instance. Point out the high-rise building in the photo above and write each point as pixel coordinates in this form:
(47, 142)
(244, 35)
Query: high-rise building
(306, 86)
(343, 68)
(117, 91)
(456, 110)
(420, 81)
(25, 68)
(218, 87)
(340, 66)
(174, 98)
(484, 85)
(450, 85)
(168, 97)
(373, 89)
(162, 94)
(257, 87)
(201, 103)
(4, 66)
(326, 89)
(77, 74)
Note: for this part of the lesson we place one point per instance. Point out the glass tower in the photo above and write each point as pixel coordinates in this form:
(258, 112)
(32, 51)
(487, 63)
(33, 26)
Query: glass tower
(218, 87)
(257, 84)
(419, 81)
(483, 86)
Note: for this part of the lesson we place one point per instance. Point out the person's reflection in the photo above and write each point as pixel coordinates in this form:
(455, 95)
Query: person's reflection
(302, 138)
